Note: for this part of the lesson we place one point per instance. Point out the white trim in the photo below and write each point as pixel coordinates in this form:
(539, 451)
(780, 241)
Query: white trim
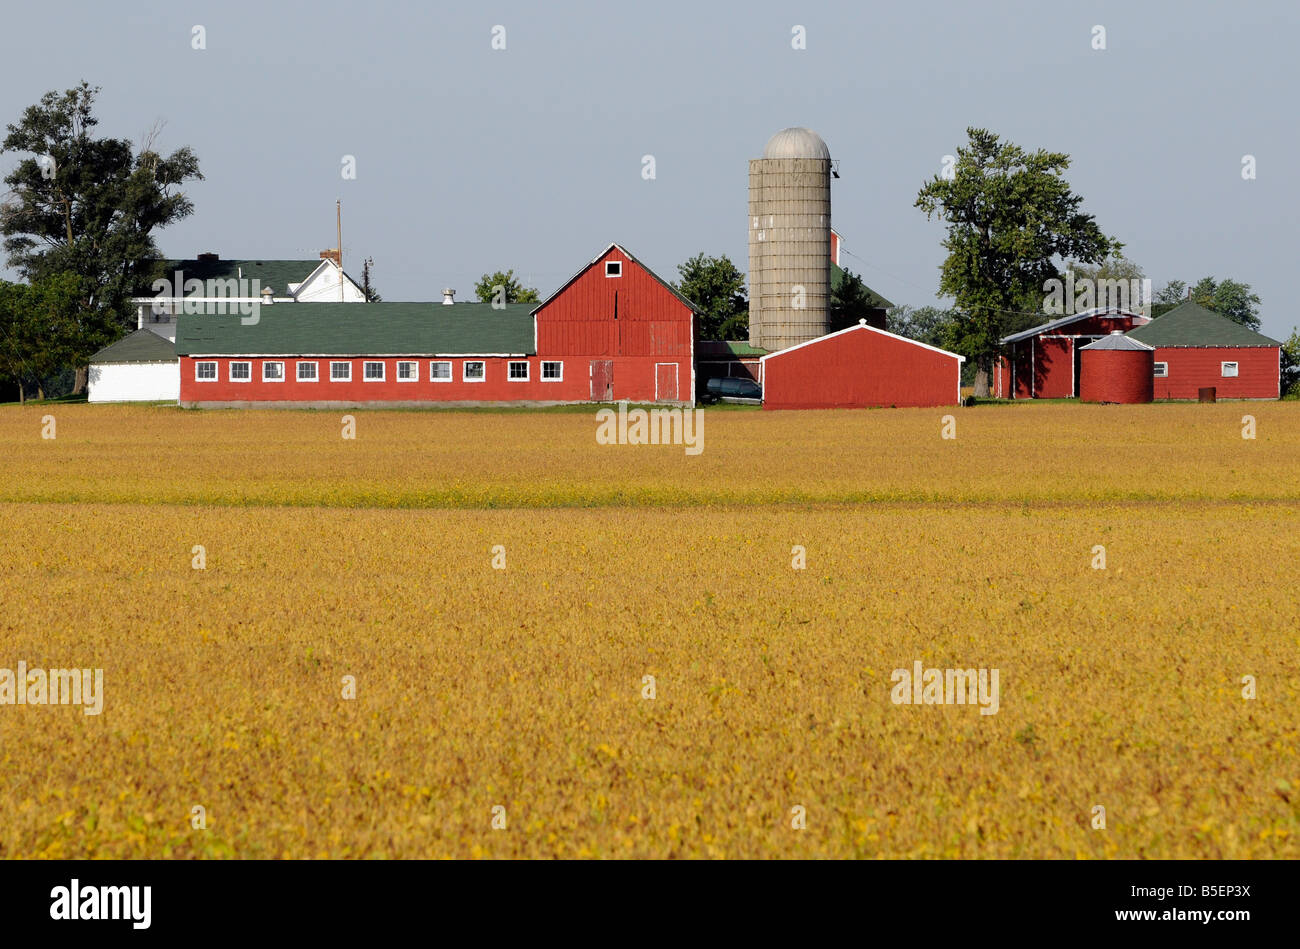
(616, 263)
(517, 362)
(451, 370)
(397, 370)
(272, 362)
(852, 329)
(467, 362)
(383, 370)
(1223, 369)
(1156, 373)
(241, 362)
(297, 370)
(677, 379)
(550, 362)
(1072, 318)
(216, 370)
(340, 362)
(337, 356)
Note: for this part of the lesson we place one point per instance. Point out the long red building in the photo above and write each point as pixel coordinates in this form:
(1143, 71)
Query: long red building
(615, 331)
(1196, 349)
(1044, 362)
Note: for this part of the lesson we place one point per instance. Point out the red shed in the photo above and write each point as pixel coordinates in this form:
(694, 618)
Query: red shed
(1116, 368)
(861, 367)
(1196, 348)
(1043, 362)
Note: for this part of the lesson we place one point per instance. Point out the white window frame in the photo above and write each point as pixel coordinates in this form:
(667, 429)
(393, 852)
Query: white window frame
(346, 364)
(1223, 370)
(315, 371)
(1160, 370)
(365, 370)
(552, 362)
(272, 362)
(451, 370)
(464, 370)
(510, 377)
(246, 364)
(216, 371)
(415, 370)
(618, 268)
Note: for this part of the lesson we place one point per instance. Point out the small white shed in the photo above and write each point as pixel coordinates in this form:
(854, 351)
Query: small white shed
(141, 367)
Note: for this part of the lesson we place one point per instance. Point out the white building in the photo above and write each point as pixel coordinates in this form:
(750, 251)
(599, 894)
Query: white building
(143, 367)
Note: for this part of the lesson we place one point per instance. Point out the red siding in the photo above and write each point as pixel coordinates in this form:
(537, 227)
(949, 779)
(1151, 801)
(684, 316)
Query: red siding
(860, 368)
(1049, 372)
(1116, 375)
(1192, 367)
(1053, 368)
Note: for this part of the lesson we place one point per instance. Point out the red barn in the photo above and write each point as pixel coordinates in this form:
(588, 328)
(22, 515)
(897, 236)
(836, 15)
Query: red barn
(615, 331)
(1043, 362)
(1197, 348)
(861, 367)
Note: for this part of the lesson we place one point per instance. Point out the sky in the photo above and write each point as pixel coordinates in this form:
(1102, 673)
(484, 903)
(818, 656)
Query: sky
(470, 159)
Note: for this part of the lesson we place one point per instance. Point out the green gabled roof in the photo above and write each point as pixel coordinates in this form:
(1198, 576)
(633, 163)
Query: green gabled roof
(734, 347)
(1190, 324)
(276, 274)
(361, 329)
(874, 298)
(141, 346)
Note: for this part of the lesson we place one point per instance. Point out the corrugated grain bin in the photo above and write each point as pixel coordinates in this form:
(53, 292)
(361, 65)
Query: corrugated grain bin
(1117, 368)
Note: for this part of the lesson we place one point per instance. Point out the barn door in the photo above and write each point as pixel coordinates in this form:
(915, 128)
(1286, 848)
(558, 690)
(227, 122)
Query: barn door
(602, 380)
(665, 382)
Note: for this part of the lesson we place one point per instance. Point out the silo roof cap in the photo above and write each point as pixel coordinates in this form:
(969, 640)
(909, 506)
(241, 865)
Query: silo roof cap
(796, 142)
(1117, 342)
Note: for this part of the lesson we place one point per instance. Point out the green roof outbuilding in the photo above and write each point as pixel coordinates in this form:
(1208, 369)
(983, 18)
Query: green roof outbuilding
(1190, 324)
(141, 346)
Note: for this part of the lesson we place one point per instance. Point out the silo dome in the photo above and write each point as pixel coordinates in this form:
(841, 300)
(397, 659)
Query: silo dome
(797, 142)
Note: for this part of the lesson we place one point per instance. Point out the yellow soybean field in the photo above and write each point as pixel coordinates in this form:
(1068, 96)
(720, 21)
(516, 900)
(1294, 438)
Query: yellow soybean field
(555, 648)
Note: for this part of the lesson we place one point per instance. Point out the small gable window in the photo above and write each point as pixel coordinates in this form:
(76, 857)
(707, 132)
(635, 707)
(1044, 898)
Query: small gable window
(613, 268)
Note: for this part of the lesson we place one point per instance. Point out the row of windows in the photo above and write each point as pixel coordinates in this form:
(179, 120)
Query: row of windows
(1227, 370)
(408, 370)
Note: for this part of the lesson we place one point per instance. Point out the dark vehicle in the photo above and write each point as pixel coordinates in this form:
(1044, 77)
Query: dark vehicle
(741, 391)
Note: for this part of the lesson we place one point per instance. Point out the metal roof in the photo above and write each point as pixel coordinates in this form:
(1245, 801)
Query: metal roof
(1067, 320)
(141, 346)
(1190, 324)
(362, 329)
(1117, 341)
(796, 142)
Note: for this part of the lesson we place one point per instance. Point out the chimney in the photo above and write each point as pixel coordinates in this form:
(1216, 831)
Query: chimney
(448, 297)
(209, 257)
(330, 255)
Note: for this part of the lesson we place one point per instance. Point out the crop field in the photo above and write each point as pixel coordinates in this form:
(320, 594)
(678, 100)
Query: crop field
(557, 648)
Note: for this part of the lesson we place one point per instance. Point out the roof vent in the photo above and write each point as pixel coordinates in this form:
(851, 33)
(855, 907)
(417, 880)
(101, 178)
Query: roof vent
(268, 296)
(1116, 332)
(448, 297)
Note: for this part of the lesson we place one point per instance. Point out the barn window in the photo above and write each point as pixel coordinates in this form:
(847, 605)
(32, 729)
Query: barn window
(1161, 370)
(241, 371)
(473, 372)
(205, 371)
(408, 371)
(373, 372)
(273, 372)
(1227, 369)
(552, 372)
(307, 372)
(340, 372)
(440, 371)
(518, 372)
(613, 268)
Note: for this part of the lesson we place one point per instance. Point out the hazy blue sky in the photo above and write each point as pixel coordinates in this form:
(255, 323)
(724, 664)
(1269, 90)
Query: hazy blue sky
(470, 159)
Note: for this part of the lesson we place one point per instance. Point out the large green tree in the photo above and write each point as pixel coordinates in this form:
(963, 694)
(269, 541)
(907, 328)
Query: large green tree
(504, 287)
(850, 302)
(1010, 215)
(41, 329)
(89, 206)
(715, 286)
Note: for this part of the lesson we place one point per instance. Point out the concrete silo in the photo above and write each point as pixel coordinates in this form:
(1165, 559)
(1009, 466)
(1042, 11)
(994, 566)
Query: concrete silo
(789, 240)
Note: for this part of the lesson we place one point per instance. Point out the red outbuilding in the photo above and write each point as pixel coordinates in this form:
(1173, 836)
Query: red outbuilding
(861, 367)
(1116, 368)
(1043, 362)
(1196, 348)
